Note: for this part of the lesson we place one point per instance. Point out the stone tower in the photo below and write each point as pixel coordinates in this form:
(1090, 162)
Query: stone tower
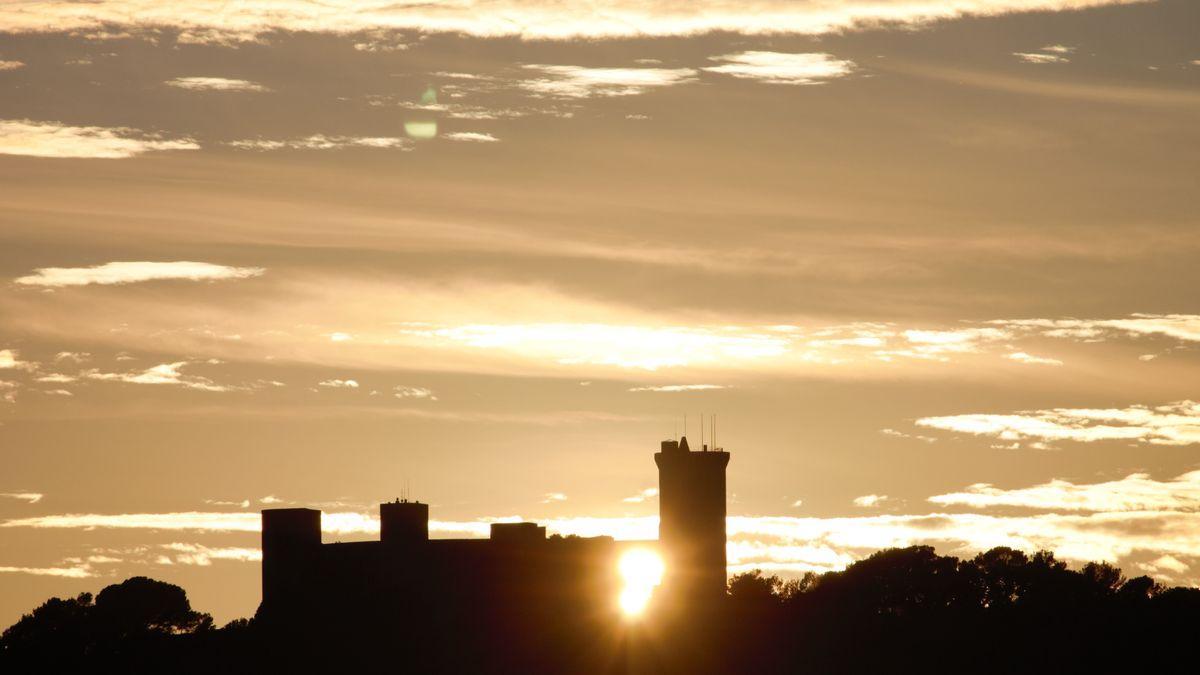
(691, 504)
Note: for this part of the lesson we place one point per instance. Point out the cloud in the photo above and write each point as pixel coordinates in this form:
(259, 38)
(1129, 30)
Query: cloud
(679, 387)
(75, 357)
(1176, 423)
(471, 137)
(11, 65)
(245, 503)
(1033, 57)
(798, 503)
(9, 360)
(31, 497)
(786, 545)
(900, 434)
(193, 521)
(414, 392)
(214, 84)
(322, 142)
(339, 384)
(134, 272)
(1183, 327)
(581, 82)
(1058, 49)
(200, 555)
(8, 391)
(641, 347)
(553, 497)
(270, 499)
(940, 345)
(870, 501)
(1023, 357)
(795, 545)
(340, 337)
(782, 68)
(78, 572)
(55, 139)
(1135, 492)
(530, 19)
(165, 373)
(1166, 563)
(643, 496)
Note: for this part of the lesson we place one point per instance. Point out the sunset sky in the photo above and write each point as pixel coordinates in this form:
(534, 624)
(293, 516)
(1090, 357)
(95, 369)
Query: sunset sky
(932, 264)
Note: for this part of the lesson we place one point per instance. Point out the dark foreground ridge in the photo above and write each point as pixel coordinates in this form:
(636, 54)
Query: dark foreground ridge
(898, 611)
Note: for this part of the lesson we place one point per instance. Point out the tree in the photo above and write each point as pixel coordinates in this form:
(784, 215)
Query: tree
(141, 604)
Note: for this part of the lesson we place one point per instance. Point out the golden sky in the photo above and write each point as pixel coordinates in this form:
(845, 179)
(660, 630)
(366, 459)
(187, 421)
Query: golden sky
(932, 264)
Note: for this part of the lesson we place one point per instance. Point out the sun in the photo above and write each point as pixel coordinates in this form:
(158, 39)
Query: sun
(641, 571)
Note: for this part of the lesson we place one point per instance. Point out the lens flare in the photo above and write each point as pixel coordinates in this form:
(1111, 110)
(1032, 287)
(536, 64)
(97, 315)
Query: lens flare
(641, 571)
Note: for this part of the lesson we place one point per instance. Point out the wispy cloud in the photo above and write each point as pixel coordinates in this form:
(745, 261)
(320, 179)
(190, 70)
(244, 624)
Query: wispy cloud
(1035, 57)
(55, 139)
(1049, 54)
(670, 388)
(1135, 492)
(74, 572)
(162, 374)
(1024, 357)
(203, 556)
(31, 497)
(788, 545)
(1184, 327)
(643, 496)
(215, 84)
(581, 82)
(782, 68)
(133, 272)
(553, 497)
(531, 19)
(870, 501)
(11, 65)
(642, 347)
(322, 142)
(414, 392)
(900, 434)
(1172, 424)
(471, 137)
(9, 360)
(245, 503)
(338, 384)
(940, 345)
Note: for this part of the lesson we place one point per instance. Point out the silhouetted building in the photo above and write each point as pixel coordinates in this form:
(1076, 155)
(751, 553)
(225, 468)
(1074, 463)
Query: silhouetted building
(512, 576)
(691, 509)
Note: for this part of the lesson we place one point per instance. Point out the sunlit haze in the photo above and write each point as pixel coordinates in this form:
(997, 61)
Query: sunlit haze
(641, 572)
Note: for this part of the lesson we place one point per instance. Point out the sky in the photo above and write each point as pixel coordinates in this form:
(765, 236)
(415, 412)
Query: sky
(931, 265)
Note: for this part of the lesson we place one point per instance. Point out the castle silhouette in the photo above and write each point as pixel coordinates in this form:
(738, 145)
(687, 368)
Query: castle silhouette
(517, 567)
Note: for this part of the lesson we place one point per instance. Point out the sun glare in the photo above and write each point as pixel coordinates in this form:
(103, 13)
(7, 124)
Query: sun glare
(641, 571)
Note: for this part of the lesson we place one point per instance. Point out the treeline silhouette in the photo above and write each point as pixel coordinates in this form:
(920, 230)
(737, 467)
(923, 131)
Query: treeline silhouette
(897, 611)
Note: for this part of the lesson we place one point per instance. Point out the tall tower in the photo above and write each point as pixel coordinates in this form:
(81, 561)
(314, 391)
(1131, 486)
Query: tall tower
(291, 538)
(403, 522)
(691, 507)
